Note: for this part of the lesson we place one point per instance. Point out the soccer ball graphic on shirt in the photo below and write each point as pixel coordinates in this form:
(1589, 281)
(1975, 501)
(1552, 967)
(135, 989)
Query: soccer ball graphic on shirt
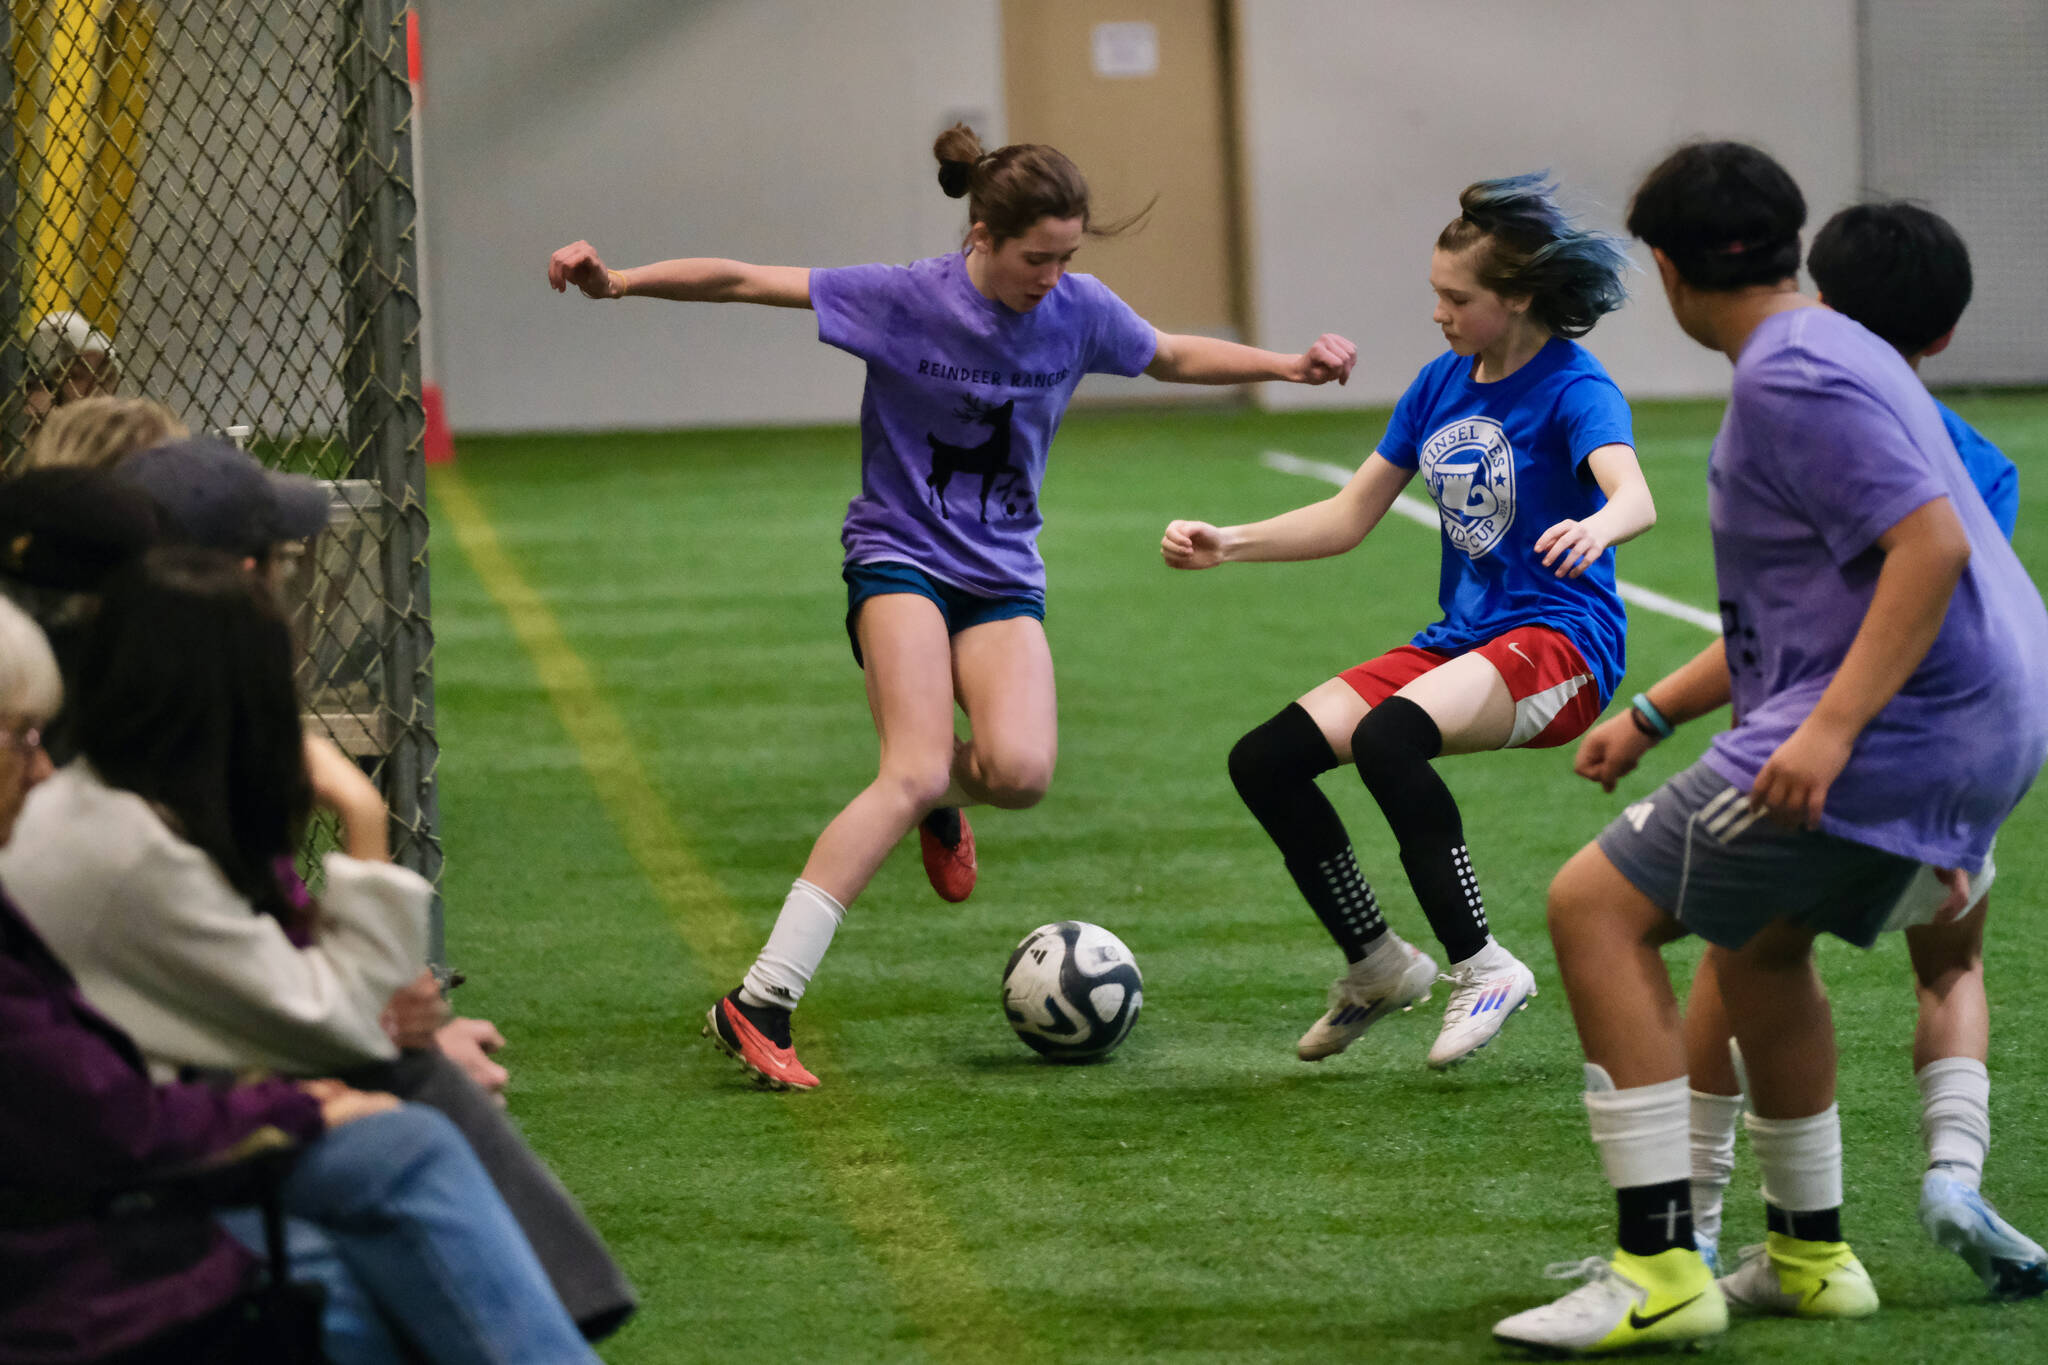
(1072, 991)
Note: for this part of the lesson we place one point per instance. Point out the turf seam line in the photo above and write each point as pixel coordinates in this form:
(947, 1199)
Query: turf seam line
(1422, 513)
(939, 1289)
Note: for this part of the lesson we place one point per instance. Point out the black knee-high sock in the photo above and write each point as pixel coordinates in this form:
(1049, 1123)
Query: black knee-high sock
(1275, 769)
(1392, 747)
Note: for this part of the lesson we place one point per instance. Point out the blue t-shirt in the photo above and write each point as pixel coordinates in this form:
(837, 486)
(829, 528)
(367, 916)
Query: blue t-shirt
(963, 397)
(1505, 462)
(1996, 477)
(1829, 441)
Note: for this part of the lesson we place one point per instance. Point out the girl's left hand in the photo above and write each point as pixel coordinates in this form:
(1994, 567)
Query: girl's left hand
(1330, 358)
(1577, 541)
(1792, 786)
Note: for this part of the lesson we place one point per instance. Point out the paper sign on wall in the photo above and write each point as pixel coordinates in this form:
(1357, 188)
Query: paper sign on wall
(1124, 50)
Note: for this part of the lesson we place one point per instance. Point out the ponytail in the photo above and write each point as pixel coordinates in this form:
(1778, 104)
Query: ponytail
(1013, 187)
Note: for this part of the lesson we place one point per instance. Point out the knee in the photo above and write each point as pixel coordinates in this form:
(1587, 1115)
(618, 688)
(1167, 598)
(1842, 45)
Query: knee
(1017, 779)
(1287, 749)
(920, 786)
(1397, 731)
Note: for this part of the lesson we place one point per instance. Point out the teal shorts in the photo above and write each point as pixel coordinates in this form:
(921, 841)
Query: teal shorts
(960, 607)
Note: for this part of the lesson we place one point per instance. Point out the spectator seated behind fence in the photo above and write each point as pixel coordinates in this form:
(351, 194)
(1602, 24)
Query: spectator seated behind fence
(68, 359)
(159, 868)
(99, 431)
(390, 1211)
(215, 495)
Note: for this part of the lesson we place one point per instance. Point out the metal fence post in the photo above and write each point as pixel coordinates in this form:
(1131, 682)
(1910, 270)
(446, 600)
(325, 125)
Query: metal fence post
(386, 421)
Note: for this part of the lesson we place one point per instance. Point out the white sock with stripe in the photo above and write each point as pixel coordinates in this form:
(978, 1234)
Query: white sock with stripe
(803, 931)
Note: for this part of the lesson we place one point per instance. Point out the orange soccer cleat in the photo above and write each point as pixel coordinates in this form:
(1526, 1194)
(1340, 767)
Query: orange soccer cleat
(747, 1042)
(947, 842)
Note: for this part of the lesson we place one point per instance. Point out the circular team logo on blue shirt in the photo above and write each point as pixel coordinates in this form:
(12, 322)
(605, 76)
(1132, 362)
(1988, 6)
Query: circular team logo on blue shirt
(1470, 470)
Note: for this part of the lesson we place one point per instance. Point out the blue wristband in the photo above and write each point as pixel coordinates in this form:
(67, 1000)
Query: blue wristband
(1643, 708)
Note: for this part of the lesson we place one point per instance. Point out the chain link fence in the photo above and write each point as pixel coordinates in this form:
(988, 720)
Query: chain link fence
(223, 188)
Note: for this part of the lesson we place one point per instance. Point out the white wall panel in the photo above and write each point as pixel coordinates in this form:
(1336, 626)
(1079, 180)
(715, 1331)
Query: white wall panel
(776, 131)
(1362, 121)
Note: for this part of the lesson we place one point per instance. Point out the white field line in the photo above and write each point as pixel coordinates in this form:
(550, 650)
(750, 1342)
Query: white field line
(1416, 510)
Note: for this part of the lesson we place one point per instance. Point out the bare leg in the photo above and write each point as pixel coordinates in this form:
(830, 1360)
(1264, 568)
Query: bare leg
(1781, 1017)
(1002, 672)
(1707, 1034)
(1948, 979)
(1609, 937)
(910, 692)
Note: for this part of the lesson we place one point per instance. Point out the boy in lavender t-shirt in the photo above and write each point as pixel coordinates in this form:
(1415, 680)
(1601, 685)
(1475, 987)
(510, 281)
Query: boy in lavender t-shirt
(971, 359)
(1887, 658)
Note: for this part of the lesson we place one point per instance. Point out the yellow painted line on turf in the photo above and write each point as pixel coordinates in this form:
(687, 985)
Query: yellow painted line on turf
(937, 1285)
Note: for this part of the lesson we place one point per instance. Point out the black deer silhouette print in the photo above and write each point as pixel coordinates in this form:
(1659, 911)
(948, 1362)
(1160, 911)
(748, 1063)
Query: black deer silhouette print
(990, 459)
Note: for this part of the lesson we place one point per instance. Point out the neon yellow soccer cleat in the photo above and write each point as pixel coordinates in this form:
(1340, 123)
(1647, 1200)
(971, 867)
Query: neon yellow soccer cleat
(1628, 1303)
(1798, 1279)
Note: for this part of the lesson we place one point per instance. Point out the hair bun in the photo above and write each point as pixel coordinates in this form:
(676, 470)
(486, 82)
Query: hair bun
(954, 177)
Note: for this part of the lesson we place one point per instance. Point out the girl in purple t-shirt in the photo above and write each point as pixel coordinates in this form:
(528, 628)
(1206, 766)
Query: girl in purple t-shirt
(971, 360)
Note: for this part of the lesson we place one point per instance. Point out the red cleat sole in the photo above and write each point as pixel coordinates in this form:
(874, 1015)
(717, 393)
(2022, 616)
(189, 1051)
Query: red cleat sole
(951, 870)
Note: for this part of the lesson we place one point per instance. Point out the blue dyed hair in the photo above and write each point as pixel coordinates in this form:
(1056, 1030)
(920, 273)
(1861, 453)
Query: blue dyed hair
(1530, 248)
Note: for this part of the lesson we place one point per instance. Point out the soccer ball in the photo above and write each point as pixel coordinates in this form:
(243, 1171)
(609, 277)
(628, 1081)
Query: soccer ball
(1072, 991)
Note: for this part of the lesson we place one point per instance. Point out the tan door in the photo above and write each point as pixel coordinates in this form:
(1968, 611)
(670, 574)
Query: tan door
(1137, 92)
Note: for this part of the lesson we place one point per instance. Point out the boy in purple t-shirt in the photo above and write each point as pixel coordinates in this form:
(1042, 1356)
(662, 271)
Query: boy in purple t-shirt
(971, 360)
(1886, 655)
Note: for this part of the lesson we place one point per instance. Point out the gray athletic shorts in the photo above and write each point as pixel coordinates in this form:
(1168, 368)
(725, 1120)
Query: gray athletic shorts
(1695, 849)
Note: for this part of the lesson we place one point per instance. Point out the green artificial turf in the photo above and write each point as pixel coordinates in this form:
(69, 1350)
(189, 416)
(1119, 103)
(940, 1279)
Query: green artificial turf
(1202, 1196)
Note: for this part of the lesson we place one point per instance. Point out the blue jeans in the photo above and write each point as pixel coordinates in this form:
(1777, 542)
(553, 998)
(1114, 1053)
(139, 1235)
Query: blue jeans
(396, 1217)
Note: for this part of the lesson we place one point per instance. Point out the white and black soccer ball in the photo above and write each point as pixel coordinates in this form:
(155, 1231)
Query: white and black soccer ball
(1072, 990)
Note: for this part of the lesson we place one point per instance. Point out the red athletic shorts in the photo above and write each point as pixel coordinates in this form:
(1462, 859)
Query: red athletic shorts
(1556, 699)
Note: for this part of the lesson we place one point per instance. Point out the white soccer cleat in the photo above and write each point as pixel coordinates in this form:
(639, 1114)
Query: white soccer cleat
(2011, 1264)
(1628, 1303)
(1393, 978)
(1481, 1001)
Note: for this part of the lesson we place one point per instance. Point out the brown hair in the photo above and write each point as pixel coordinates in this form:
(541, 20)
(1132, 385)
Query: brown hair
(98, 431)
(1013, 187)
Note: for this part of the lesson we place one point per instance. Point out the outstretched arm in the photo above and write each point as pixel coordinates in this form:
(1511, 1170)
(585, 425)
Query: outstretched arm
(699, 279)
(1611, 749)
(1321, 529)
(1209, 360)
(1573, 546)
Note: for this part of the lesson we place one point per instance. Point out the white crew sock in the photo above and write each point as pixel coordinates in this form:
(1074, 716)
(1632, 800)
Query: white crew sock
(803, 931)
(1800, 1159)
(1955, 1116)
(1640, 1131)
(1715, 1119)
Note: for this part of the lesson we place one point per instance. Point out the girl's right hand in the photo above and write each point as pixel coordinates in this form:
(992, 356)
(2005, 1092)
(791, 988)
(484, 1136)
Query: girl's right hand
(1191, 545)
(341, 1104)
(579, 264)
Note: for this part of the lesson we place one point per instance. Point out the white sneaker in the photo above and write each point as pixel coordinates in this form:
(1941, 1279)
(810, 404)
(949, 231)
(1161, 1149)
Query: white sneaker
(1482, 998)
(2011, 1264)
(1393, 978)
(1627, 1303)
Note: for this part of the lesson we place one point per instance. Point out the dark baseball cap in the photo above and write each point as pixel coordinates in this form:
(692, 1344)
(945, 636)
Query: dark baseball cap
(219, 497)
(68, 527)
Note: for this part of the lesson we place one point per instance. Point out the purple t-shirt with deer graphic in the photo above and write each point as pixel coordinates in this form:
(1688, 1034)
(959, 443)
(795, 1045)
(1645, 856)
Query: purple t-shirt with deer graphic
(963, 397)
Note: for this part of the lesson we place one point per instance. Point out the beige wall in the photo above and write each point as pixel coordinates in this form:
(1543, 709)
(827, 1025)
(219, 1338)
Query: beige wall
(1364, 118)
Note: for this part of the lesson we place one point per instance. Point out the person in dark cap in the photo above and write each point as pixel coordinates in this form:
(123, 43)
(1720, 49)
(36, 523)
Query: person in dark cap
(218, 496)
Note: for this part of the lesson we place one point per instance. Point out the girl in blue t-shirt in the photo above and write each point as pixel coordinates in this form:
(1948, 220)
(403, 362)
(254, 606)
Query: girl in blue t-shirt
(971, 360)
(1526, 447)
